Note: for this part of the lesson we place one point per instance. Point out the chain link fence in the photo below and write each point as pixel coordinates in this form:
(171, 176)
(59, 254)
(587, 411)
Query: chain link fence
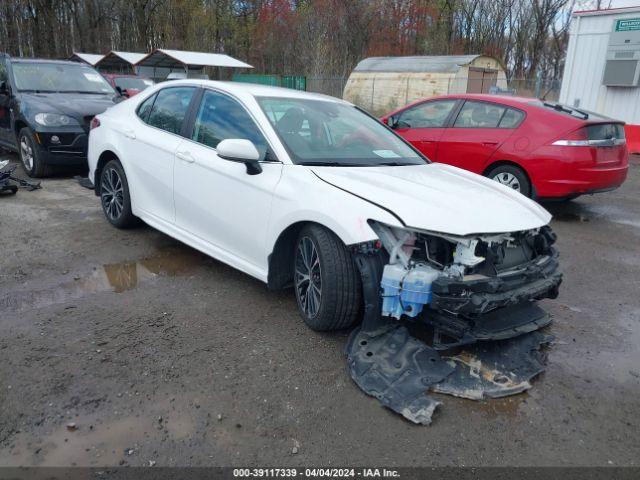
(333, 86)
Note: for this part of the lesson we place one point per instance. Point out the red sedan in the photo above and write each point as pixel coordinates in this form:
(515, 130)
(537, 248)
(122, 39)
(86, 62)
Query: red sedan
(127, 85)
(543, 150)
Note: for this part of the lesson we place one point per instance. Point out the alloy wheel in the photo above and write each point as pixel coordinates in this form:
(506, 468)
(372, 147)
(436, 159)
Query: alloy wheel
(508, 179)
(308, 278)
(112, 193)
(26, 153)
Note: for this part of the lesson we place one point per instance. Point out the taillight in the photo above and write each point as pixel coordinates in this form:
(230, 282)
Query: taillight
(598, 135)
(95, 123)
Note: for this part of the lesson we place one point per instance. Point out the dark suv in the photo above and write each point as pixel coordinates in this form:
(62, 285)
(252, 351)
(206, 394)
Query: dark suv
(46, 107)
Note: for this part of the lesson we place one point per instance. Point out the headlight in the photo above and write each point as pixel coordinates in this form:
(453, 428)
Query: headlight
(55, 120)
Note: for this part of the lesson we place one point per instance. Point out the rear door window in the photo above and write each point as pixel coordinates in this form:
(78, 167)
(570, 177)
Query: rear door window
(511, 118)
(170, 108)
(427, 115)
(479, 115)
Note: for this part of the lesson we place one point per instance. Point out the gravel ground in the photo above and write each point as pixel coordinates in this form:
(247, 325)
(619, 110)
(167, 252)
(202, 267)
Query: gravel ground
(127, 347)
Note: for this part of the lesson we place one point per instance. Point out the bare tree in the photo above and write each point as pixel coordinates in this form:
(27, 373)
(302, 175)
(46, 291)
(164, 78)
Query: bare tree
(312, 37)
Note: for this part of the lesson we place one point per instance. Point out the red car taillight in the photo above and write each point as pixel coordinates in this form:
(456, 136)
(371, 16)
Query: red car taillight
(95, 123)
(598, 135)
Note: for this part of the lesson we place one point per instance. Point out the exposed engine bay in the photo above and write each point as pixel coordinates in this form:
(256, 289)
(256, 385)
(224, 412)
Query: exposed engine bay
(476, 294)
(462, 279)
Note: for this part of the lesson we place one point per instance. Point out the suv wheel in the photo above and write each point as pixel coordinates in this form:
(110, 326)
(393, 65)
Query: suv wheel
(30, 155)
(114, 196)
(512, 177)
(326, 280)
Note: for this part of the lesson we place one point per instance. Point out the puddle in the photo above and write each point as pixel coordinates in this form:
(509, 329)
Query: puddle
(116, 277)
(106, 442)
(125, 276)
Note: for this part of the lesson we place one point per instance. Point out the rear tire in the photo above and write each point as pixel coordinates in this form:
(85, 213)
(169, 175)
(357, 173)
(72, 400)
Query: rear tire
(512, 177)
(326, 280)
(114, 196)
(30, 155)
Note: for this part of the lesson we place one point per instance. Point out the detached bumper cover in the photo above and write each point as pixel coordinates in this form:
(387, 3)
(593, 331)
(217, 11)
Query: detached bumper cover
(387, 362)
(477, 296)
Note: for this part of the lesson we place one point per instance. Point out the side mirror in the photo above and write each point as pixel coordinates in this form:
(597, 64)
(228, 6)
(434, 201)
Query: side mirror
(3, 87)
(241, 150)
(392, 121)
(120, 91)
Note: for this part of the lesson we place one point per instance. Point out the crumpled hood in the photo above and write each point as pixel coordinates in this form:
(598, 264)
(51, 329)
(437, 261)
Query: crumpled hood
(440, 198)
(77, 105)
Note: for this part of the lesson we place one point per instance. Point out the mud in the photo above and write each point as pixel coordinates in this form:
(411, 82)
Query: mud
(158, 353)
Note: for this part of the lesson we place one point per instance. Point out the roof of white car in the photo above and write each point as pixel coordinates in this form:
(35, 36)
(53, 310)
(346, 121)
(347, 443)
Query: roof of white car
(257, 90)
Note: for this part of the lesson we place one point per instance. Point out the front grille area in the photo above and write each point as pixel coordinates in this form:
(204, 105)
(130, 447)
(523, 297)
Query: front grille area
(69, 143)
(64, 139)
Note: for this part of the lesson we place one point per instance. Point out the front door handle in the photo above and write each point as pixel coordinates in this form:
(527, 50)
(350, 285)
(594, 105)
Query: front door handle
(490, 144)
(185, 157)
(129, 133)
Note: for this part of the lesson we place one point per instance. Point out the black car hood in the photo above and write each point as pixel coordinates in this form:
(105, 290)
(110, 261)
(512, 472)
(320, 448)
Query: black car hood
(77, 105)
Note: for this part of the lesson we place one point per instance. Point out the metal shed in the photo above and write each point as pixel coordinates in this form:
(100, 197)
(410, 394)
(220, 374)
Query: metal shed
(119, 62)
(602, 69)
(88, 58)
(381, 84)
(162, 62)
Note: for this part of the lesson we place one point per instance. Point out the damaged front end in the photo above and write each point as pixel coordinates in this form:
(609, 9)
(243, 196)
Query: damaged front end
(467, 290)
(478, 287)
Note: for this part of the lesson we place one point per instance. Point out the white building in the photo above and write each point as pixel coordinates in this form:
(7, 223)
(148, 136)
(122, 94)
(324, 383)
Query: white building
(602, 70)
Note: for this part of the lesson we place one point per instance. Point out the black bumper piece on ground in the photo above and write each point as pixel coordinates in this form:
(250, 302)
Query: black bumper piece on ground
(536, 281)
(386, 361)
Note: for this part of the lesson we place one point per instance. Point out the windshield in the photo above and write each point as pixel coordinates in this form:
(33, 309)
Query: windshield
(57, 77)
(319, 132)
(134, 83)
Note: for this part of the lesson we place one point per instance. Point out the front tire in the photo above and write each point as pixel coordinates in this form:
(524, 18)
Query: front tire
(30, 155)
(511, 176)
(114, 196)
(326, 280)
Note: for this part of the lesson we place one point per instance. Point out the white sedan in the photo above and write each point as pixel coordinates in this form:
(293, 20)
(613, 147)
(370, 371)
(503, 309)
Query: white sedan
(305, 190)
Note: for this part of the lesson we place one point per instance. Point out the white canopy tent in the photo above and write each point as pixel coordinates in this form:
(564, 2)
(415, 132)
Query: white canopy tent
(120, 62)
(161, 62)
(89, 58)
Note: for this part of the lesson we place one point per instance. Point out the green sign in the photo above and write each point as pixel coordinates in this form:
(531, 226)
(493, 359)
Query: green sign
(628, 24)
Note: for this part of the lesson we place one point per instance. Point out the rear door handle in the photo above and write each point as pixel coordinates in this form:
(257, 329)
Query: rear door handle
(185, 157)
(129, 133)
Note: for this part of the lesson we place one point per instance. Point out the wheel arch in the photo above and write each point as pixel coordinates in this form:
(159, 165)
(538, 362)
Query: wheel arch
(280, 273)
(19, 125)
(498, 163)
(104, 158)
